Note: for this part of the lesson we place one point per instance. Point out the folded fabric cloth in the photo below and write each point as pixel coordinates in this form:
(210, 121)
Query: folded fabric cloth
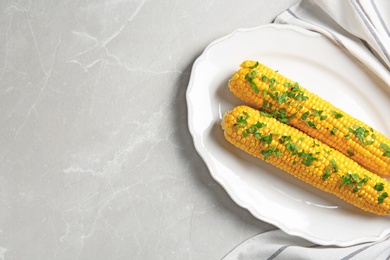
(362, 27)
(279, 246)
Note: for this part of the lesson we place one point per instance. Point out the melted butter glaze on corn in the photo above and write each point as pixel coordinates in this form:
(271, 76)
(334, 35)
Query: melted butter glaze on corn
(306, 158)
(263, 88)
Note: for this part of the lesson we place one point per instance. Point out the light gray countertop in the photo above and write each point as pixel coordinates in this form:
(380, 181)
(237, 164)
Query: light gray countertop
(97, 161)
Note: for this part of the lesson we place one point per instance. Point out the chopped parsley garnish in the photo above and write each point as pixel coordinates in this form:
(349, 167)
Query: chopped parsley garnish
(361, 133)
(266, 139)
(265, 104)
(350, 153)
(311, 124)
(326, 174)
(316, 112)
(284, 139)
(379, 187)
(241, 120)
(382, 197)
(254, 66)
(353, 181)
(280, 115)
(270, 151)
(282, 98)
(301, 96)
(259, 125)
(334, 165)
(307, 158)
(334, 130)
(273, 96)
(266, 79)
(305, 115)
(336, 114)
(249, 77)
(295, 88)
(253, 129)
(263, 113)
(293, 148)
(386, 148)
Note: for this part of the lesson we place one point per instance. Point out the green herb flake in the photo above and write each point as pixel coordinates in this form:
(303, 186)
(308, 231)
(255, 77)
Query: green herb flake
(295, 88)
(379, 187)
(273, 96)
(337, 115)
(353, 181)
(333, 164)
(254, 66)
(382, 197)
(361, 133)
(241, 120)
(316, 112)
(271, 151)
(260, 125)
(334, 130)
(301, 96)
(281, 115)
(282, 98)
(311, 124)
(266, 114)
(257, 134)
(265, 104)
(326, 174)
(266, 139)
(293, 148)
(350, 153)
(249, 77)
(305, 115)
(386, 148)
(307, 158)
(284, 139)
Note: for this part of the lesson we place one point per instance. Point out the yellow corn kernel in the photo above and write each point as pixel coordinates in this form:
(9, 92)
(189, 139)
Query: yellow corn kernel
(265, 89)
(306, 158)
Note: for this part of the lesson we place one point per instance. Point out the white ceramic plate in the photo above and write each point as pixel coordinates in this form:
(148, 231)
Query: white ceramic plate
(268, 193)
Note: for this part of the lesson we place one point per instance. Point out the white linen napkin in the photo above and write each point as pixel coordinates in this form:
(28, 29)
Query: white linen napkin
(278, 245)
(362, 27)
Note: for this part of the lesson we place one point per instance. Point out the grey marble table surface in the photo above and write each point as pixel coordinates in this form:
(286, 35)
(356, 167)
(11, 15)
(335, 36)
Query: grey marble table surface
(96, 158)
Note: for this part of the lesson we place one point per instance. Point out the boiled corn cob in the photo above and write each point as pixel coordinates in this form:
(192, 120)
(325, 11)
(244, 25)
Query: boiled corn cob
(306, 158)
(277, 96)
